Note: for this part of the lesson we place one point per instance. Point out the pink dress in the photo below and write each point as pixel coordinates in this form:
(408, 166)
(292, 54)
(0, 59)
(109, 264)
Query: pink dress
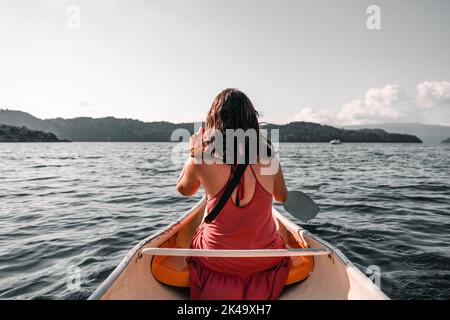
(249, 227)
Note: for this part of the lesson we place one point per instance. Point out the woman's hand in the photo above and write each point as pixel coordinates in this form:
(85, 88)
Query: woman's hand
(196, 143)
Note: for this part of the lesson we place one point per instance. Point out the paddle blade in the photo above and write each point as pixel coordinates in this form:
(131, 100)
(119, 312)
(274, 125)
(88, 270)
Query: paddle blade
(301, 206)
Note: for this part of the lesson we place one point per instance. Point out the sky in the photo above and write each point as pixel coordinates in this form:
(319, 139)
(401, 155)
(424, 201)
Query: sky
(167, 59)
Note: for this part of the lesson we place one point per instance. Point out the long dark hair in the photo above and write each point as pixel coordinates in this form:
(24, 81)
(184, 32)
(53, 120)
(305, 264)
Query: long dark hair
(232, 109)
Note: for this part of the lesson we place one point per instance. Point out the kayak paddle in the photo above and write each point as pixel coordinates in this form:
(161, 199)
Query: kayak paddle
(300, 206)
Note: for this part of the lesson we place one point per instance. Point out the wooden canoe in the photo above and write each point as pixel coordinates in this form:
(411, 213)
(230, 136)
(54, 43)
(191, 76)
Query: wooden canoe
(333, 275)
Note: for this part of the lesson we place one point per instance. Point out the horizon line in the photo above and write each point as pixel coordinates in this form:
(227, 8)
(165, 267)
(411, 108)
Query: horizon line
(202, 121)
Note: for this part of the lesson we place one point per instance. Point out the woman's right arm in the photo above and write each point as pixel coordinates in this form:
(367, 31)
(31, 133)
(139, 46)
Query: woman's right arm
(280, 192)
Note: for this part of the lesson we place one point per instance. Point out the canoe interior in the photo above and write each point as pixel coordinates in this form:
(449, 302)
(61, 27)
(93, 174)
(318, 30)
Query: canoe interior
(333, 277)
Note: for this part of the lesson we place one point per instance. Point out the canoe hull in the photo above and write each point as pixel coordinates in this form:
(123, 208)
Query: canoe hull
(333, 277)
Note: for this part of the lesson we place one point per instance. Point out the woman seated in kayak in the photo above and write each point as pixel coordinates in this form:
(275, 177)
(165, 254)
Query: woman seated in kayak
(245, 221)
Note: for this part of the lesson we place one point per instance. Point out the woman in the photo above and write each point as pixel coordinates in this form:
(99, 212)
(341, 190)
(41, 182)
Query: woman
(245, 222)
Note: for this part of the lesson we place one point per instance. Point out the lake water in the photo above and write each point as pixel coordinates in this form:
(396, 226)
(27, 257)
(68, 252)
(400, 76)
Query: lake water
(84, 205)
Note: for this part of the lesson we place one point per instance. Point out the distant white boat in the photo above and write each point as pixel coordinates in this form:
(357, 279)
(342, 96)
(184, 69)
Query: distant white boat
(336, 141)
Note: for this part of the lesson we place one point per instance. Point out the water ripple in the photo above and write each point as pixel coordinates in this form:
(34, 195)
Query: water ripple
(85, 205)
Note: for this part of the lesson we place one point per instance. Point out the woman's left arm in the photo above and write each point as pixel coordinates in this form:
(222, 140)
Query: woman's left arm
(188, 183)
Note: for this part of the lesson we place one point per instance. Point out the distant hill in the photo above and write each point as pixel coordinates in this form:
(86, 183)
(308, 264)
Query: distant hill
(313, 132)
(128, 130)
(446, 140)
(432, 134)
(89, 129)
(23, 134)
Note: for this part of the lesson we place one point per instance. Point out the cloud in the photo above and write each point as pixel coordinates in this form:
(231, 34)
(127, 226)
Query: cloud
(308, 114)
(433, 93)
(84, 104)
(389, 103)
(378, 104)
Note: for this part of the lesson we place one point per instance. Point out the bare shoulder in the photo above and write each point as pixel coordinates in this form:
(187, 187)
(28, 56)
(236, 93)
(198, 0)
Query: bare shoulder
(196, 167)
(267, 168)
(191, 164)
(266, 172)
(210, 169)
